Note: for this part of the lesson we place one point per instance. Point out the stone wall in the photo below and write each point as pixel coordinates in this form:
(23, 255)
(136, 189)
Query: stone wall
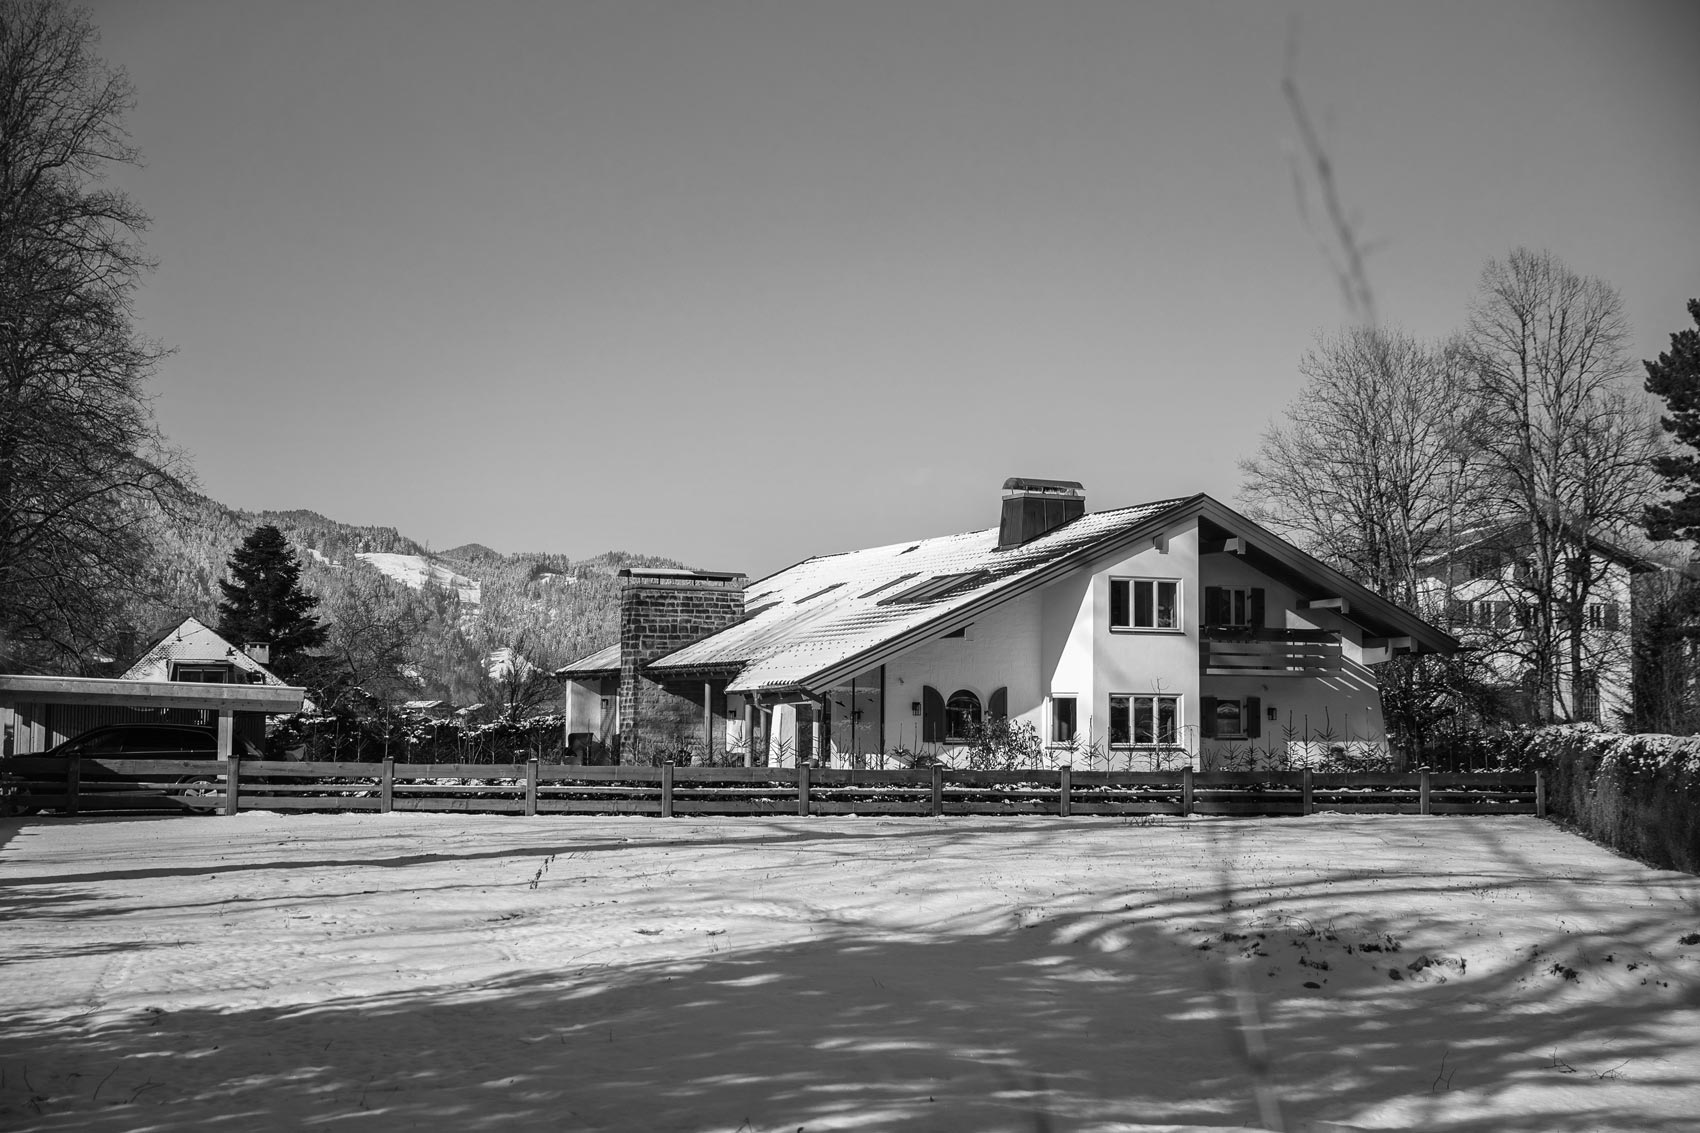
(659, 613)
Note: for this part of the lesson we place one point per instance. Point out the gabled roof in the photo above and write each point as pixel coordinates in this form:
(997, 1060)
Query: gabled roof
(194, 641)
(824, 620)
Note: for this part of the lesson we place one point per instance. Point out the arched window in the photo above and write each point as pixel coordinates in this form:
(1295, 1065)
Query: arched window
(961, 715)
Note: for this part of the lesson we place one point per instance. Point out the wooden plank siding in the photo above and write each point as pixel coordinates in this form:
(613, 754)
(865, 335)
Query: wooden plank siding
(533, 788)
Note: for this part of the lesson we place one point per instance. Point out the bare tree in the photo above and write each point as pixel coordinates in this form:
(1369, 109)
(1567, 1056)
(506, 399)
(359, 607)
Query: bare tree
(82, 467)
(1570, 450)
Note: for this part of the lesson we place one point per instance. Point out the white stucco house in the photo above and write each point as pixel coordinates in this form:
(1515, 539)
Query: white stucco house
(1482, 587)
(1168, 633)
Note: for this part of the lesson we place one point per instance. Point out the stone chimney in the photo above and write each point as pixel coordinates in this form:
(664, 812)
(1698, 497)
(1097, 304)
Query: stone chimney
(1032, 508)
(660, 611)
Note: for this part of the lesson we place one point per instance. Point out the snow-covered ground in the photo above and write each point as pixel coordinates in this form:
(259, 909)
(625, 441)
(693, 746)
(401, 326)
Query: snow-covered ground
(414, 570)
(464, 972)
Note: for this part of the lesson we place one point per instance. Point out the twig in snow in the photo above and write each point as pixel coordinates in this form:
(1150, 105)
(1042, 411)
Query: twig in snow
(1559, 1064)
(1443, 1080)
(102, 1082)
(149, 1085)
(1612, 1073)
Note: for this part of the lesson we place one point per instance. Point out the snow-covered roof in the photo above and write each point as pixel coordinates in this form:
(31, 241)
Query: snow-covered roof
(193, 641)
(805, 624)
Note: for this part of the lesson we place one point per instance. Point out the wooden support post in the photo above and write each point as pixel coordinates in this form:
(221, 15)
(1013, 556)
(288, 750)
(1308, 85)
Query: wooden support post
(1186, 791)
(1064, 773)
(232, 783)
(815, 750)
(667, 790)
(1309, 797)
(531, 775)
(73, 784)
(1422, 792)
(802, 788)
(938, 790)
(386, 788)
(749, 731)
(1540, 794)
(226, 734)
(707, 722)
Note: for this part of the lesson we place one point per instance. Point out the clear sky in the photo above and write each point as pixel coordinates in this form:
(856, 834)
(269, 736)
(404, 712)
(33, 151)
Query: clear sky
(740, 283)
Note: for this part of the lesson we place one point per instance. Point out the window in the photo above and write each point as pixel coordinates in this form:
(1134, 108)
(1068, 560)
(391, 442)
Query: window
(1230, 719)
(1588, 696)
(1602, 615)
(961, 716)
(1144, 603)
(1234, 606)
(1063, 717)
(202, 674)
(1145, 721)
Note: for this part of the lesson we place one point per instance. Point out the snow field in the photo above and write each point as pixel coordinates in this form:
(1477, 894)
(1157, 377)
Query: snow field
(483, 972)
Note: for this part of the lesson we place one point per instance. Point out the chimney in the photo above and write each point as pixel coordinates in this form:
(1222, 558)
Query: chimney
(662, 610)
(1032, 508)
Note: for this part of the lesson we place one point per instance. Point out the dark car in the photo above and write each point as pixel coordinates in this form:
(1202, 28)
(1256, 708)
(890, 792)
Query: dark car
(143, 742)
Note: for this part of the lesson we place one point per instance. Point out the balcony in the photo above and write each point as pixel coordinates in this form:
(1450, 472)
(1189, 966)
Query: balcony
(1231, 651)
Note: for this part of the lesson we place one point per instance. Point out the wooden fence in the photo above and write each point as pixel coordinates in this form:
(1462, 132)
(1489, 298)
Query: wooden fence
(93, 785)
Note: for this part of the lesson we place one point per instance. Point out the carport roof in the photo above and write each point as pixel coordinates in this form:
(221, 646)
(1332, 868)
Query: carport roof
(271, 699)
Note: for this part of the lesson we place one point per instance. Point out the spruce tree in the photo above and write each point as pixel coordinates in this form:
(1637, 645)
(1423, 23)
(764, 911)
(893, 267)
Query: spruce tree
(263, 598)
(1676, 378)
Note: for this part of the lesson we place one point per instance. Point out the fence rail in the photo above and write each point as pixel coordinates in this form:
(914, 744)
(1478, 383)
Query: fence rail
(94, 785)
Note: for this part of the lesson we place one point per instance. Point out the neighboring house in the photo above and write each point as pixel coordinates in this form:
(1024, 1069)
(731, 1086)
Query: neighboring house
(194, 652)
(1483, 589)
(1171, 632)
(190, 654)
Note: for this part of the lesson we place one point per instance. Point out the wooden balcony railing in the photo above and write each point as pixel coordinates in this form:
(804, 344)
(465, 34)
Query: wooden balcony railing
(1230, 651)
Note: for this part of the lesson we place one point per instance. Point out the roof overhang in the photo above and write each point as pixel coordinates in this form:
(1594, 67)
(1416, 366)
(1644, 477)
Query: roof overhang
(110, 691)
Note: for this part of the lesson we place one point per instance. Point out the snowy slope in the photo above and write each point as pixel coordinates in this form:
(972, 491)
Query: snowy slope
(435, 971)
(415, 570)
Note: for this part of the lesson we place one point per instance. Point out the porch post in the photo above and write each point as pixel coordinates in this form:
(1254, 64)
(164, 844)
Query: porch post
(819, 709)
(707, 722)
(749, 731)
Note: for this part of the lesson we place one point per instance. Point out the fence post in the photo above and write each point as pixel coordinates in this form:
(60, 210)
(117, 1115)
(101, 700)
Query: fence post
(802, 788)
(73, 784)
(1063, 784)
(938, 790)
(1540, 794)
(386, 788)
(667, 789)
(1186, 791)
(1305, 786)
(1422, 792)
(531, 773)
(232, 783)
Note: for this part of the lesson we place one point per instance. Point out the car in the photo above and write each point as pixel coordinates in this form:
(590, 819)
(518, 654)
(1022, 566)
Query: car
(145, 741)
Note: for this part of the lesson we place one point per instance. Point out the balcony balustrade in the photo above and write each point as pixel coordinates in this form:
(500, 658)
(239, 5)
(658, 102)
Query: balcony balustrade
(1230, 651)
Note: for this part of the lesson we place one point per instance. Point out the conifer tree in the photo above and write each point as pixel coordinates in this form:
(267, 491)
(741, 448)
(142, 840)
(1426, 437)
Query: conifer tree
(1676, 378)
(263, 598)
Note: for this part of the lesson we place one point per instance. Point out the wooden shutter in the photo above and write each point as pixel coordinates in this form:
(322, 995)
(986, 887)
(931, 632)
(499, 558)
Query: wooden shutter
(1207, 717)
(1215, 606)
(1256, 613)
(997, 707)
(1611, 615)
(932, 715)
(1253, 717)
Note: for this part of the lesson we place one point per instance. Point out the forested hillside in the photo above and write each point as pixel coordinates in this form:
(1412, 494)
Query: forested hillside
(400, 641)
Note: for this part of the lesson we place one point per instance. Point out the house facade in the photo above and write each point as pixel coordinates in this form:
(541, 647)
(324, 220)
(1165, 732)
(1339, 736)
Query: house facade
(1171, 633)
(1484, 589)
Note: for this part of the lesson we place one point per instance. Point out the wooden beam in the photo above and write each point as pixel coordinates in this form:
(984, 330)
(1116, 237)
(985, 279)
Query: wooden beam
(1340, 604)
(271, 699)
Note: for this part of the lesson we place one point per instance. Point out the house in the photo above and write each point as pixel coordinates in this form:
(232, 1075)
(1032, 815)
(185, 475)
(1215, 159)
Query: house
(1484, 593)
(1165, 633)
(40, 713)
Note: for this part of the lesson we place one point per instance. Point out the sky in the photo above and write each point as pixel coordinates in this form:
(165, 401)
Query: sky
(739, 283)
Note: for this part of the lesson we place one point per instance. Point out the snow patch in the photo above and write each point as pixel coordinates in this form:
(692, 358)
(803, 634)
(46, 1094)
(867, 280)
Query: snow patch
(415, 570)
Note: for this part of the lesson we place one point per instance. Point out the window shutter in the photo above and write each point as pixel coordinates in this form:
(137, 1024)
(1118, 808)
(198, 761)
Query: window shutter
(1256, 614)
(932, 715)
(1207, 717)
(1611, 615)
(997, 706)
(1253, 717)
(1214, 614)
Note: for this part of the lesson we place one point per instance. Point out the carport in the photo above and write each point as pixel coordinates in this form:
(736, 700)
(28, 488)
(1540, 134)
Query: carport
(39, 712)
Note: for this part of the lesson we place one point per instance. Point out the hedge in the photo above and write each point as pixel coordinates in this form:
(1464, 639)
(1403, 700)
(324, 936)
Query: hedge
(1639, 794)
